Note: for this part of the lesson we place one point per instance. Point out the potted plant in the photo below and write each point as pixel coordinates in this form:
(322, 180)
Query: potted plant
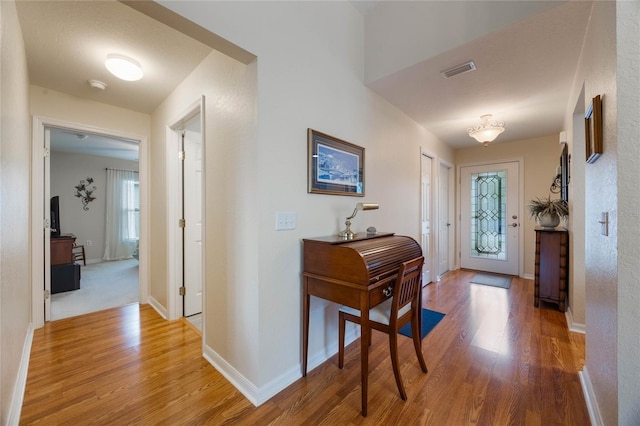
(548, 212)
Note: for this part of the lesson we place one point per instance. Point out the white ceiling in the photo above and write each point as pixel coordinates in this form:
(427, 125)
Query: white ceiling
(77, 142)
(526, 53)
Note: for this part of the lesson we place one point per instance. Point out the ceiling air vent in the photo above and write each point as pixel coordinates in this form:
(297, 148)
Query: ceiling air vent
(459, 69)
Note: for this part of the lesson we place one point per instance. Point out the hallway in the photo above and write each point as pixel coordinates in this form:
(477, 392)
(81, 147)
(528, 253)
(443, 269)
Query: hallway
(493, 359)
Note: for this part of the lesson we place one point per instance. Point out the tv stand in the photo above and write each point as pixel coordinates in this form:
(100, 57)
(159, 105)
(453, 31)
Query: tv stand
(65, 274)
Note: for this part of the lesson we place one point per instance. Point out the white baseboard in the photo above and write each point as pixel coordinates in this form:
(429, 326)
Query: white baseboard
(572, 325)
(161, 310)
(590, 398)
(259, 395)
(528, 277)
(15, 409)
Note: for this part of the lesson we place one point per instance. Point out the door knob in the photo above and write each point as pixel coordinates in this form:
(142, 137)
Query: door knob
(515, 225)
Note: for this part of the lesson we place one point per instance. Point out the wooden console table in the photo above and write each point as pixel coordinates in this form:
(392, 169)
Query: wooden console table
(552, 267)
(359, 273)
(62, 249)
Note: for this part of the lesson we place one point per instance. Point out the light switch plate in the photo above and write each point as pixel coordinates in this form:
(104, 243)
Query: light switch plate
(285, 221)
(604, 223)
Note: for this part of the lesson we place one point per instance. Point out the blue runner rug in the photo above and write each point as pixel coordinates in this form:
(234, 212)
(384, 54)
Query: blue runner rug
(429, 320)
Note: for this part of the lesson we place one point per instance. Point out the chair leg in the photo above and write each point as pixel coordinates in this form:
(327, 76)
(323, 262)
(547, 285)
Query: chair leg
(393, 346)
(341, 324)
(417, 343)
(84, 259)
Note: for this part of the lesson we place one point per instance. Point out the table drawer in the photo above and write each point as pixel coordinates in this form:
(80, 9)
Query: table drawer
(382, 292)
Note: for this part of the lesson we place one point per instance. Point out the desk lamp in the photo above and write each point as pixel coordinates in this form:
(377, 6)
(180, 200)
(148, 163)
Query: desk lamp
(348, 234)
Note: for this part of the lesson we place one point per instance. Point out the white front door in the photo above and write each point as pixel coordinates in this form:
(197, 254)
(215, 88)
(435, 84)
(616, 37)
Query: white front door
(192, 179)
(444, 223)
(426, 217)
(490, 217)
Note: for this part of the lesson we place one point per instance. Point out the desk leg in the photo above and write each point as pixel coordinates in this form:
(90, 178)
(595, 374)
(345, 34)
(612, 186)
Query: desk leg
(364, 352)
(305, 326)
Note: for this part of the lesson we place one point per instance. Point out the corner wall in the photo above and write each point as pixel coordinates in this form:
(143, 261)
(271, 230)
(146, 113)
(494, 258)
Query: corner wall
(307, 77)
(628, 128)
(15, 164)
(596, 73)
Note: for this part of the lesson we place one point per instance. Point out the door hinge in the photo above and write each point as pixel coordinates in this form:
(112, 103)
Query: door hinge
(47, 294)
(181, 155)
(182, 223)
(46, 224)
(183, 291)
(45, 152)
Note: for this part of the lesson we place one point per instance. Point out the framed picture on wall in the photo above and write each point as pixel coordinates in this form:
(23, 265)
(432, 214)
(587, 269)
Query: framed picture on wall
(334, 166)
(593, 130)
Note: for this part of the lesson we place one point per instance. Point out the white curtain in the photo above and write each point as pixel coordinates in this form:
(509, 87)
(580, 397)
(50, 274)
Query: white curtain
(122, 202)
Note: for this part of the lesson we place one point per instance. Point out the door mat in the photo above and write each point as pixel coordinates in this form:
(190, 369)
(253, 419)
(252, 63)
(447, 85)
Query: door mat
(429, 320)
(491, 280)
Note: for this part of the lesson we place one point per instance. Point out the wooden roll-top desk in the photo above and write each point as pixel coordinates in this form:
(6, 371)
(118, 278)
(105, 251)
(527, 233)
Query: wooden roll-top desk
(359, 273)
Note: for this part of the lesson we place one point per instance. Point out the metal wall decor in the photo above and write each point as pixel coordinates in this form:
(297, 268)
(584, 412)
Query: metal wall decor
(84, 191)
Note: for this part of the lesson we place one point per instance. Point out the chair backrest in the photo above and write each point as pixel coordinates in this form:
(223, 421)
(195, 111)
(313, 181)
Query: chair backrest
(408, 285)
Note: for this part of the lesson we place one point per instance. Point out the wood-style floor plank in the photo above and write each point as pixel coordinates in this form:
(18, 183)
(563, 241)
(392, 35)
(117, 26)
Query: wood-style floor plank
(494, 360)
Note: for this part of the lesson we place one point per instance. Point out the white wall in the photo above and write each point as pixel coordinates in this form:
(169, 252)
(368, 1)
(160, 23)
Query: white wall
(229, 90)
(309, 75)
(61, 106)
(597, 74)
(15, 289)
(628, 128)
(67, 170)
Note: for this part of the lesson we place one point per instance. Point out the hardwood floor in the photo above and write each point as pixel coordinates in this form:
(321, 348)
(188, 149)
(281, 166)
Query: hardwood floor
(493, 360)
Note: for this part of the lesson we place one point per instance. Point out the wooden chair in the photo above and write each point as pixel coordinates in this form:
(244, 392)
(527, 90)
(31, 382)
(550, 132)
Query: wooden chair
(78, 253)
(392, 314)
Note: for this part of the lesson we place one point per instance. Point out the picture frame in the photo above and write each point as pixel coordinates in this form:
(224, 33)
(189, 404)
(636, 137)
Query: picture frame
(565, 161)
(335, 166)
(593, 130)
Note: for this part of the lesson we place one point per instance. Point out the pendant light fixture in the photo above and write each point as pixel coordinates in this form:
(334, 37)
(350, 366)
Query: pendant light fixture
(486, 131)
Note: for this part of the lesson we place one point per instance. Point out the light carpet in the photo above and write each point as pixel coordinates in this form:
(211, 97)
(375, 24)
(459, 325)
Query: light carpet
(491, 280)
(102, 286)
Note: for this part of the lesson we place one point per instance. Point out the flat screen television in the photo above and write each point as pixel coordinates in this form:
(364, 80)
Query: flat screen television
(55, 216)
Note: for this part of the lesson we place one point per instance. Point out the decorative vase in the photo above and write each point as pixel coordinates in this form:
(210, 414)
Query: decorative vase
(548, 221)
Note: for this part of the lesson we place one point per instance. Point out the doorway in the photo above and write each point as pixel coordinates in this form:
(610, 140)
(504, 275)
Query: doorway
(186, 213)
(426, 213)
(490, 232)
(94, 180)
(41, 213)
(444, 219)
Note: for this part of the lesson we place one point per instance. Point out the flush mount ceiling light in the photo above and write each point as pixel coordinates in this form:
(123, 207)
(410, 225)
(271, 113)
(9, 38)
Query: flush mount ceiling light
(123, 67)
(487, 131)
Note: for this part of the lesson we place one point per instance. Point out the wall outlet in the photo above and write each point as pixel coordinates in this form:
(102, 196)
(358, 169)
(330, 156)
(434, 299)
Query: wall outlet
(89, 243)
(285, 221)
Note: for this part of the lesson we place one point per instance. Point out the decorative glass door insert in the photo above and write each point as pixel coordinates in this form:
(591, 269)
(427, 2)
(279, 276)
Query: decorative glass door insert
(488, 215)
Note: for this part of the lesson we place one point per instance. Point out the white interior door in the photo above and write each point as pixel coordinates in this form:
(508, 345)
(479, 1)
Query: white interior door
(46, 215)
(426, 167)
(192, 204)
(444, 223)
(490, 217)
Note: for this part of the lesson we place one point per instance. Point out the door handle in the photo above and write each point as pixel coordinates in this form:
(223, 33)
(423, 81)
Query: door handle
(515, 225)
